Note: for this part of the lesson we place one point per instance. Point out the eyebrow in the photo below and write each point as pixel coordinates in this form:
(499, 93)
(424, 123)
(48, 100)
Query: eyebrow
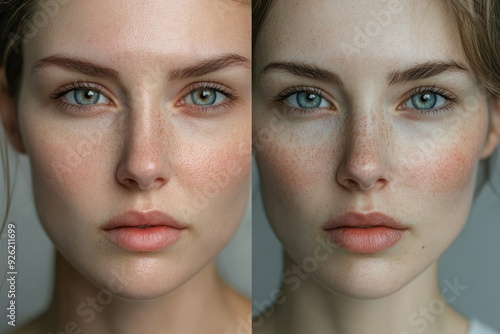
(303, 70)
(420, 71)
(77, 65)
(210, 65)
(88, 68)
(425, 70)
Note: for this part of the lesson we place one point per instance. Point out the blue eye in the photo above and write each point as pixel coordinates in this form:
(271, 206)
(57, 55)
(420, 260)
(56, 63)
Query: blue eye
(307, 100)
(205, 97)
(425, 101)
(85, 97)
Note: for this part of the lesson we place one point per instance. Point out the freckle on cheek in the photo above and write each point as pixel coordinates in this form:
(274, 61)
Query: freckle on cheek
(452, 170)
(297, 167)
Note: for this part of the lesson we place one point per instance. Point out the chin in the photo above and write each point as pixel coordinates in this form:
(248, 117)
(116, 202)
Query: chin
(359, 290)
(137, 289)
(142, 294)
(365, 278)
(141, 280)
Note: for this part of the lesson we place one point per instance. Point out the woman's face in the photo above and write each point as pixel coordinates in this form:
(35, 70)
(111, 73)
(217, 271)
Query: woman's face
(366, 109)
(128, 106)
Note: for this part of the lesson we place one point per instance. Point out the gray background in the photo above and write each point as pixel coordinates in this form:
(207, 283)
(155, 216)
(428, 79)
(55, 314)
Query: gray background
(34, 254)
(474, 258)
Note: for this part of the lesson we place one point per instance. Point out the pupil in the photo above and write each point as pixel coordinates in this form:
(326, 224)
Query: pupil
(204, 97)
(86, 97)
(205, 94)
(308, 100)
(424, 101)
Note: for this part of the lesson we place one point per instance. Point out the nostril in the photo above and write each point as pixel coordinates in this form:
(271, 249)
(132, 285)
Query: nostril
(363, 172)
(143, 172)
(143, 183)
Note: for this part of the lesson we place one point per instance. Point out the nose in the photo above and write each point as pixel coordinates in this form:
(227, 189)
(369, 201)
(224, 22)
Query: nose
(364, 165)
(144, 163)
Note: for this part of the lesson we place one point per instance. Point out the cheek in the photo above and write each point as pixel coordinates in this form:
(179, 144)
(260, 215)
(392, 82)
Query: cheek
(65, 163)
(68, 166)
(214, 180)
(453, 169)
(212, 171)
(296, 163)
(445, 167)
(215, 169)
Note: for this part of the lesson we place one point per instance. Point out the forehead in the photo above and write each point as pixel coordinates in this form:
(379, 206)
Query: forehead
(184, 28)
(392, 33)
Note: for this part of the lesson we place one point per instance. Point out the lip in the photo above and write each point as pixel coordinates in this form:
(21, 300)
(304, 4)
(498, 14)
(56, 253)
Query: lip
(143, 231)
(364, 232)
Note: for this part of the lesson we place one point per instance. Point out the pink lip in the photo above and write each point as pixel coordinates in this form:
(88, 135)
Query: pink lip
(143, 231)
(365, 233)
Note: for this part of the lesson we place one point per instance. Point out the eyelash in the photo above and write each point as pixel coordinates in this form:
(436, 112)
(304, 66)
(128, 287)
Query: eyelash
(290, 110)
(58, 96)
(451, 98)
(229, 94)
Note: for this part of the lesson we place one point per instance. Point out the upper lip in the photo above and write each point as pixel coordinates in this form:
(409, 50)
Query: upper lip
(358, 219)
(134, 218)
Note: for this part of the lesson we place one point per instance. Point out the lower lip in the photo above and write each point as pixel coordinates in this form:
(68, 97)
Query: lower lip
(365, 240)
(148, 239)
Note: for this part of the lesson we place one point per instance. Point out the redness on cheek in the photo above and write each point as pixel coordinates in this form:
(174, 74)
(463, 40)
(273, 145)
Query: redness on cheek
(447, 170)
(295, 166)
(222, 168)
(67, 162)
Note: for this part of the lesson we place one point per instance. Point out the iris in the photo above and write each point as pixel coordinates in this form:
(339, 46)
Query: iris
(204, 97)
(424, 101)
(86, 97)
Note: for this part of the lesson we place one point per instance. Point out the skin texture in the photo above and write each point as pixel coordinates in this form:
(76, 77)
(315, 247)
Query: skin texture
(145, 147)
(366, 150)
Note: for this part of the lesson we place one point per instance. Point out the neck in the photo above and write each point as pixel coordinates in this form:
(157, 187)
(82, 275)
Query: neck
(417, 307)
(78, 304)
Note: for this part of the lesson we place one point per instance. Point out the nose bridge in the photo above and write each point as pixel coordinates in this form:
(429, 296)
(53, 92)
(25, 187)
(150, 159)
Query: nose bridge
(366, 136)
(144, 133)
(367, 141)
(143, 162)
(144, 121)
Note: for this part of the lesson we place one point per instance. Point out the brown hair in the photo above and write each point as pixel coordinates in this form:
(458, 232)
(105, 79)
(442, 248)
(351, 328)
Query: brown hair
(260, 9)
(14, 16)
(478, 22)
